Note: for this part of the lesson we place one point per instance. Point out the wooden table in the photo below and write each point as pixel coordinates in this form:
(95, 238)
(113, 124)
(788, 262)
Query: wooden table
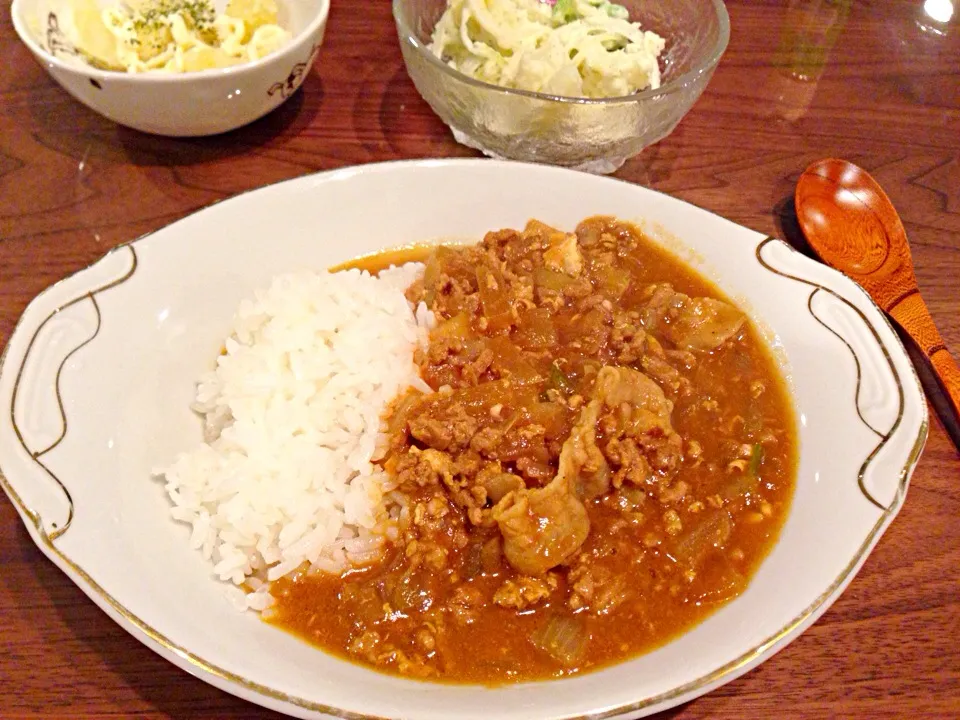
(885, 95)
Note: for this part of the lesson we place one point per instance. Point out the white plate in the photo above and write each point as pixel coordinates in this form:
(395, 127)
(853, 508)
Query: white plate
(99, 374)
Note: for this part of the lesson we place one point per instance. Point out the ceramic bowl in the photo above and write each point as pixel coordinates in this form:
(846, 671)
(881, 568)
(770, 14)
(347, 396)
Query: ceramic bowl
(593, 135)
(98, 377)
(179, 105)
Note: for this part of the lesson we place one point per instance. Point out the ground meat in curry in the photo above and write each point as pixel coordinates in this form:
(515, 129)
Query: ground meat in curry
(607, 457)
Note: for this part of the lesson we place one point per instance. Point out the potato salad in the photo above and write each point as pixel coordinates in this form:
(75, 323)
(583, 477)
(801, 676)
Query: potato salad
(176, 36)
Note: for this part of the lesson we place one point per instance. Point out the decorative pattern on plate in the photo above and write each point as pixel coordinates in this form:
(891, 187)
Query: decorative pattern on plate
(57, 42)
(288, 86)
(49, 321)
(883, 436)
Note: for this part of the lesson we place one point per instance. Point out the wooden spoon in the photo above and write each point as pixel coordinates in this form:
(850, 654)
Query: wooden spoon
(852, 225)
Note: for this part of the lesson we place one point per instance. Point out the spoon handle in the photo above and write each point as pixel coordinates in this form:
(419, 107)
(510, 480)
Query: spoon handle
(912, 315)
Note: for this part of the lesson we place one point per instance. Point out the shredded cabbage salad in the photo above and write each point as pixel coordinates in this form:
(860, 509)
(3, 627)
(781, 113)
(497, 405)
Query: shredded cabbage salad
(576, 48)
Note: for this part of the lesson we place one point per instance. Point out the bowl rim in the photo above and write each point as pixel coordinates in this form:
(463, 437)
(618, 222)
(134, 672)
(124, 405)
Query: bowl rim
(676, 84)
(50, 60)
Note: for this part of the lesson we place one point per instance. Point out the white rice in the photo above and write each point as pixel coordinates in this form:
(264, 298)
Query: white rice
(292, 424)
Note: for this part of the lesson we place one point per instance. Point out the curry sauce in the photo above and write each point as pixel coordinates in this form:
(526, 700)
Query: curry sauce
(608, 456)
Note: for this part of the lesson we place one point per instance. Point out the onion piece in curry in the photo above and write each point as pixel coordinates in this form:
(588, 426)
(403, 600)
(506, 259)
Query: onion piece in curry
(607, 457)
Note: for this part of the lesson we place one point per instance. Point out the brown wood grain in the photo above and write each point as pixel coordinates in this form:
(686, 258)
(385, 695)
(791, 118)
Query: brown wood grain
(886, 95)
(912, 315)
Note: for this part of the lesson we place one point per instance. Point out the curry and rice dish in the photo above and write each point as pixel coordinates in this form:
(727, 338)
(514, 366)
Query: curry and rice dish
(590, 451)
(606, 458)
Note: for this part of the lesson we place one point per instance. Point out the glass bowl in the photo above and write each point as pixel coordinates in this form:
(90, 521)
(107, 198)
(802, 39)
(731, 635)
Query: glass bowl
(597, 135)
